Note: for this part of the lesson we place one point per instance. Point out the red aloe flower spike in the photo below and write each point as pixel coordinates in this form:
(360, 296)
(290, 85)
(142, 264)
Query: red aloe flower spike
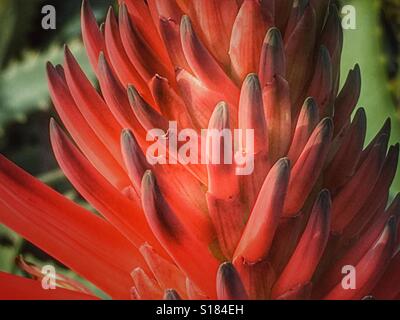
(269, 66)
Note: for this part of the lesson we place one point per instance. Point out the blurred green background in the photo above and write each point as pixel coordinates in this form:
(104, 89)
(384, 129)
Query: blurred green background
(25, 108)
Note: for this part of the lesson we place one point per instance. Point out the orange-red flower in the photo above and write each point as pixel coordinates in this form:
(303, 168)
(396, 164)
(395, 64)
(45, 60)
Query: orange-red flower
(315, 203)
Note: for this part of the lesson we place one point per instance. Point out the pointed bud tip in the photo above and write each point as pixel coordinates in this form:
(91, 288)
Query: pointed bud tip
(186, 25)
(220, 117)
(325, 56)
(148, 178)
(226, 270)
(327, 127)
(171, 294)
(273, 38)
(310, 104)
(324, 200)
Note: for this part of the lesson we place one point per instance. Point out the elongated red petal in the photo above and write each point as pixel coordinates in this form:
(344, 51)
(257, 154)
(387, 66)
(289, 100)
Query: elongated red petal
(126, 72)
(81, 132)
(92, 106)
(166, 273)
(203, 64)
(300, 292)
(191, 256)
(199, 100)
(380, 195)
(170, 33)
(215, 19)
(141, 55)
(353, 195)
(322, 83)
(257, 277)
(106, 199)
(370, 268)
(251, 113)
(388, 287)
(224, 204)
(308, 167)
(299, 271)
(91, 35)
(116, 98)
(141, 18)
(247, 37)
(146, 287)
(169, 102)
(18, 288)
(299, 46)
(260, 229)
(347, 99)
(81, 240)
(252, 120)
(221, 167)
(345, 162)
(306, 123)
(277, 105)
(273, 60)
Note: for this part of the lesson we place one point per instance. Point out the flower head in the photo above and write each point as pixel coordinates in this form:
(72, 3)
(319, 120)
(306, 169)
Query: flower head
(314, 203)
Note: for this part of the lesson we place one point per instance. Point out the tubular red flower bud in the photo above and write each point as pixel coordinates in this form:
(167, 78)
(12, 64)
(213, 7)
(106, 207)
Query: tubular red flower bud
(229, 285)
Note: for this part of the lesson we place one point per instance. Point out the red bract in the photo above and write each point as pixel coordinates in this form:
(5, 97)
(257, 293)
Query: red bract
(315, 202)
